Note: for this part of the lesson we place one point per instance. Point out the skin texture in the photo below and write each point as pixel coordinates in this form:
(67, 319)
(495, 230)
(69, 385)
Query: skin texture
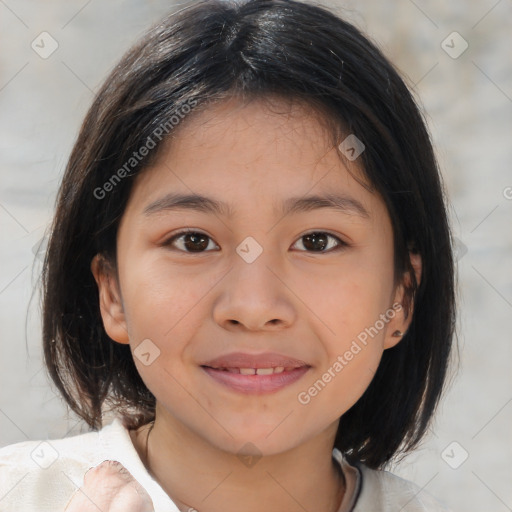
(110, 487)
(292, 299)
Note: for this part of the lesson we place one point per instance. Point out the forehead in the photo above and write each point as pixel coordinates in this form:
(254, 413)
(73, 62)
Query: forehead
(236, 156)
(255, 130)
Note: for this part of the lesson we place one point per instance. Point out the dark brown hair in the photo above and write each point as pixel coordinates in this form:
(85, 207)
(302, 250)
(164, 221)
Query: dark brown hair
(208, 52)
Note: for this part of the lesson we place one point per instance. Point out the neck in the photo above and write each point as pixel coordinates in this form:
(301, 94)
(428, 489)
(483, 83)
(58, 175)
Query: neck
(197, 475)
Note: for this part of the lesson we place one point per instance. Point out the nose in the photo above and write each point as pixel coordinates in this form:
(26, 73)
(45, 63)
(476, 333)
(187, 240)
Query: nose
(253, 296)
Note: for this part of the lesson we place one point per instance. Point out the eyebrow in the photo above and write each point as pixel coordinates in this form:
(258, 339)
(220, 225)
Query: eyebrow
(196, 202)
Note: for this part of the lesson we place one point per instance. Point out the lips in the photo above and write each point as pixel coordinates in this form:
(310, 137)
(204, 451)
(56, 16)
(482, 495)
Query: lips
(255, 373)
(268, 362)
(254, 383)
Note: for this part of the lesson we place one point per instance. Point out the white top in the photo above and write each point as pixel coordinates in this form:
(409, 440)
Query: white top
(41, 476)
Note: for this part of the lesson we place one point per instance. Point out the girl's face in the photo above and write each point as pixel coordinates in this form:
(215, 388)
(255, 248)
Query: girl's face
(253, 278)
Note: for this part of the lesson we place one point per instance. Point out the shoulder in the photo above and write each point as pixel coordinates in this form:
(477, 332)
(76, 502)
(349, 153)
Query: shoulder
(42, 475)
(382, 491)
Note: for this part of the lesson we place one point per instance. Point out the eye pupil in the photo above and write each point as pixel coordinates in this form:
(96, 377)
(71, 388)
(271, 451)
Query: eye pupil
(318, 241)
(195, 238)
(197, 242)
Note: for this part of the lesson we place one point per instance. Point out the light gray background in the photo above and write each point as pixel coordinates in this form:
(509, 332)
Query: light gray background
(469, 105)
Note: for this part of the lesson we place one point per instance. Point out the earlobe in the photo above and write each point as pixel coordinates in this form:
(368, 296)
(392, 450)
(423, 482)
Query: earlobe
(111, 306)
(398, 326)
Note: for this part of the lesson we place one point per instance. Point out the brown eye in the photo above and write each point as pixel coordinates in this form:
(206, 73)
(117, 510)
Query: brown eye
(317, 241)
(197, 242)
(190, 241)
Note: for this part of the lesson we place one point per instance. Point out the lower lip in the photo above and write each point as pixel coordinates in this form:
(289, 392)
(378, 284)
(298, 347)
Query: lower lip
(256, 384)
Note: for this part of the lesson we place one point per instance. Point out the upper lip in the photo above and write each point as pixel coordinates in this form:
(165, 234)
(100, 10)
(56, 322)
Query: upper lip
(265, 360)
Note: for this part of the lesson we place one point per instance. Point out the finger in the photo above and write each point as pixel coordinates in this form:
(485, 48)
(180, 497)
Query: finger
(132, 498)
(109, 487)
(81, 502)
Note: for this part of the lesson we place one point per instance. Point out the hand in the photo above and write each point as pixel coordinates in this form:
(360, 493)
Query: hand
(110, 487)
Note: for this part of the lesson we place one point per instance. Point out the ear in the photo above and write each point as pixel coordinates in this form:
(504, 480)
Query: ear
(403, 305)
(111, 305)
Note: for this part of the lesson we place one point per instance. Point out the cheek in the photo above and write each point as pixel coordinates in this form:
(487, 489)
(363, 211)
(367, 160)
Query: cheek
(163, 309)
(360, 319)
(158, 298)
(351, 296)
(355, 312)
(348, 370)
(344, 381)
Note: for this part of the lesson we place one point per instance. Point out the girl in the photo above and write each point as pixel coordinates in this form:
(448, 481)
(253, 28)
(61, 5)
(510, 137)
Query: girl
(250, 265)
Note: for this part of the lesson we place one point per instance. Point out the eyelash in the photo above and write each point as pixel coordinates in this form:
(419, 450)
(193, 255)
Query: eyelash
(341, 244)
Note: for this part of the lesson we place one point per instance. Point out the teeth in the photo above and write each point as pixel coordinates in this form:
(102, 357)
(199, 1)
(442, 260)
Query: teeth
(254, 371)
(264, 371)
(247, 371)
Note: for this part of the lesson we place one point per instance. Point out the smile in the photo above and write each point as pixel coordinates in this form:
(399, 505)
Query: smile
(256, 380)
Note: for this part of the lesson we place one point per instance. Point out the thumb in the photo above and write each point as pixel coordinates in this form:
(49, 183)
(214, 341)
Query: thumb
(110, 487)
